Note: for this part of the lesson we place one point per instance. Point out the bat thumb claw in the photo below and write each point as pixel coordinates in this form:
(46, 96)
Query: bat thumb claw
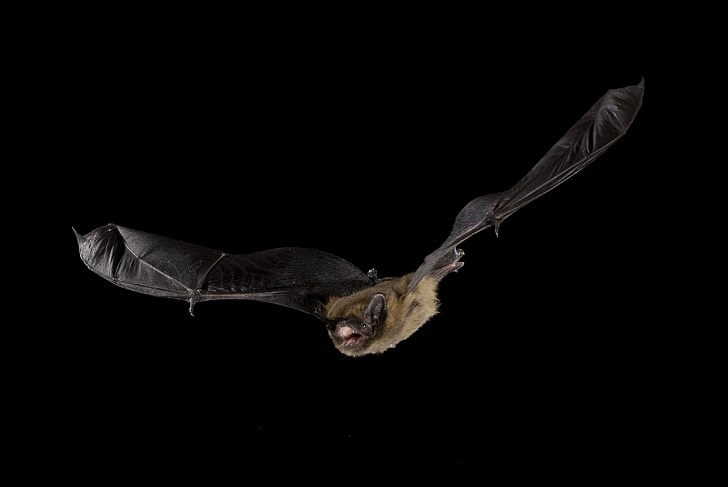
(193, 300)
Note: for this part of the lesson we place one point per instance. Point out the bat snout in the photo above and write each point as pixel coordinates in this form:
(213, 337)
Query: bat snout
(352, 334)
(349, 337)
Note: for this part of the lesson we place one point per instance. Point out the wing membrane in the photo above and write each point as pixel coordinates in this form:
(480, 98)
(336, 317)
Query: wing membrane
(597, 130)
(299, 278)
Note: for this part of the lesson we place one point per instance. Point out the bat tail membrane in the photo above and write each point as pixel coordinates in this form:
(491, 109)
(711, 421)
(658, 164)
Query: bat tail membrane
(146, 263)
(597, 130)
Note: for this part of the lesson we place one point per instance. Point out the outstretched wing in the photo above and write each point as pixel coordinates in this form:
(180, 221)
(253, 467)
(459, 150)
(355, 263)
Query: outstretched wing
(298, 278)
(605, 123)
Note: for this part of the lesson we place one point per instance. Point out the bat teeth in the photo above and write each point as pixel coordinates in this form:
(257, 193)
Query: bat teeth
(347, 332)
(349, 336)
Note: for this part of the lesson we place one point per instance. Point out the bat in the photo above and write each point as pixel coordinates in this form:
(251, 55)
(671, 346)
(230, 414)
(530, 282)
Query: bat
(363, 313)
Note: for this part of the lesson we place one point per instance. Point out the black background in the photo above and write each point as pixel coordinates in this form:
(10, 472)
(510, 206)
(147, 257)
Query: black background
(366, 144)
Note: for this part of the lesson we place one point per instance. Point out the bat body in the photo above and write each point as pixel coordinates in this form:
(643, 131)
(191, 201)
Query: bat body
(363, 313)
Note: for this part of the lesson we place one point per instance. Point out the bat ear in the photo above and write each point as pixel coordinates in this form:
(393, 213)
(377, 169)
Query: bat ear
(376, 313)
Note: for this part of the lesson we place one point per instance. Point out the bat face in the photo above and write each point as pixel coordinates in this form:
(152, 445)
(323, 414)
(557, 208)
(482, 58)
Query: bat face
(376, 319)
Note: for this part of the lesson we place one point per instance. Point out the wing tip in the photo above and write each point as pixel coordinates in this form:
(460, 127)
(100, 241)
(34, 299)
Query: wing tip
(639, 88)
(79, 238)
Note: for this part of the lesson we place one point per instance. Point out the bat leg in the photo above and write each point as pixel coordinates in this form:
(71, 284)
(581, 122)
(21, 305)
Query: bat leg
(446, 265)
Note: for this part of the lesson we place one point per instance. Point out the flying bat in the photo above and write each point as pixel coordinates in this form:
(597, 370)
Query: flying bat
(363, 313)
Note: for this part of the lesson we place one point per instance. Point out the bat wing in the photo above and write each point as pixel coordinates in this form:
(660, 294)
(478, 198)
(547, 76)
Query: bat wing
(605, 123)
(298, 278)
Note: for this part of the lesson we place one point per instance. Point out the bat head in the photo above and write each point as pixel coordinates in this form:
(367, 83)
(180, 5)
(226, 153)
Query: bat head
(353, 332)
(378, 318)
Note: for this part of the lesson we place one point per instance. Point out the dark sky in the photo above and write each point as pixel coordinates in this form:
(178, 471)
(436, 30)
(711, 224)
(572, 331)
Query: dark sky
(367, 150)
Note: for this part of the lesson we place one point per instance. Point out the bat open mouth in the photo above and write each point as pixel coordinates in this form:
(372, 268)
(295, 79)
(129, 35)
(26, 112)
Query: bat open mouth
(351, 335)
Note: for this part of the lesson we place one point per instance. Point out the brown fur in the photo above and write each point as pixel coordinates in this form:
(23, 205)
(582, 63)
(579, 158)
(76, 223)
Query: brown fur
(407, 312)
